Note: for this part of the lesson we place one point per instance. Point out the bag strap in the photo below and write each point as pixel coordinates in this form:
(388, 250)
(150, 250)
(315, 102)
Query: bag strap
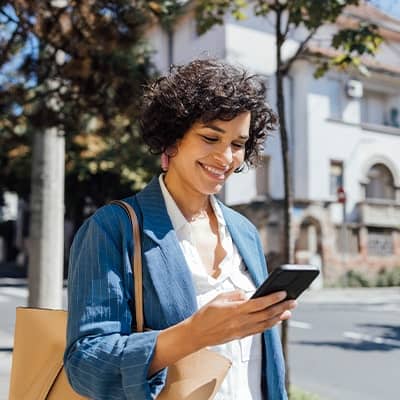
(136, 263)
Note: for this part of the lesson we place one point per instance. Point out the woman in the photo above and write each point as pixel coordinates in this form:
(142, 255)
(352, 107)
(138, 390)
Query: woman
(201, 260)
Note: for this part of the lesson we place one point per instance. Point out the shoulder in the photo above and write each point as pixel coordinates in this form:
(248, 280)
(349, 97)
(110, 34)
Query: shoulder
(109, 220)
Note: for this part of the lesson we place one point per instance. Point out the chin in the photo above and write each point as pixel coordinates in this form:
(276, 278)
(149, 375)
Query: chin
(216, 189)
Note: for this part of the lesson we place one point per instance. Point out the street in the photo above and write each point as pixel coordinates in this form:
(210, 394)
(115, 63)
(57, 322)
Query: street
(13, 293)
(10, 297)
(344, 343)
(346, 346)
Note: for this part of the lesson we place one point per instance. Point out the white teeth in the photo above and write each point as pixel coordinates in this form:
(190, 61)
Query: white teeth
(214, 170)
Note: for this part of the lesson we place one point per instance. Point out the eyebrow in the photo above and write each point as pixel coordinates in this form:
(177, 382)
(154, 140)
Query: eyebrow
(214, 128)
(218, 129)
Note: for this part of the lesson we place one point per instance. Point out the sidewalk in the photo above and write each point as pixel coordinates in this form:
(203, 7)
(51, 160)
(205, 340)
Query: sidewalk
(320, 296)
(352, 295)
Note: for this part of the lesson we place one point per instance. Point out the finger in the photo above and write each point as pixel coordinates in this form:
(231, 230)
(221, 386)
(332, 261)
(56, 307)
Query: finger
(277, 319)
(282, 307)
(285, 315)
(267, 324)
(266, 301)
(275, 310)
(235, 295)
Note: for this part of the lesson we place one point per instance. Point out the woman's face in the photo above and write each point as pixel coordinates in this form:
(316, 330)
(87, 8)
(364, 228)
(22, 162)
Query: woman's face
(208, 154)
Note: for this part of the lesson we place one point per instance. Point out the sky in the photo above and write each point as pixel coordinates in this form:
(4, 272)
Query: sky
(391, 7)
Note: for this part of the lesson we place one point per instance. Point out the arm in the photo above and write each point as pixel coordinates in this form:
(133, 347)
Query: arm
(103, 359)
(229, 316)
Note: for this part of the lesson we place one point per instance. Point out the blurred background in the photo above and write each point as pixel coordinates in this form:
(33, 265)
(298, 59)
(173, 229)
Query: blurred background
(327, 191)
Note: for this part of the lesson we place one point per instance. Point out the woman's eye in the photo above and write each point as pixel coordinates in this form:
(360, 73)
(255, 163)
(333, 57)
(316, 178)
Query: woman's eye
(239, 145)
(210, 139)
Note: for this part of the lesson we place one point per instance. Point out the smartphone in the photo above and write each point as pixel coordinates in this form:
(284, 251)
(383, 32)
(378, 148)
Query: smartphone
(292, 278)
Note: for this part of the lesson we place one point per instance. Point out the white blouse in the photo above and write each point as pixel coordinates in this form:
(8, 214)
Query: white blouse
(243, 381)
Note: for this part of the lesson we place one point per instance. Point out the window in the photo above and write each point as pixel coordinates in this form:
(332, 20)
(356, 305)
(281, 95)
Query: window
(380, 108)
(262, 177)
(335, 104)
(336, 177)
(380, 183)
(347, 241)
(393, 119)
(373, 107)
(380, 242)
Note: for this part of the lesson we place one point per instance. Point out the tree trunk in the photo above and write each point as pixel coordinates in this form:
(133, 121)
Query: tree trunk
(288, 250)
(46, 244)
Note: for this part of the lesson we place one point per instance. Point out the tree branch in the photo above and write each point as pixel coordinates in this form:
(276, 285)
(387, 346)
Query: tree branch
(286, 31)
(288, 63)
(10, 42)
(8, 16)
(38, 96)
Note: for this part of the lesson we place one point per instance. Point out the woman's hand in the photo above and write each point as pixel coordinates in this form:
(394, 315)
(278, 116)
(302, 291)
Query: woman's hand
(231, 316)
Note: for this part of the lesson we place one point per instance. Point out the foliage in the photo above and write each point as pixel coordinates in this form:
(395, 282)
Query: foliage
(79, 66)
(298, 394)
(212, 12)
(354, 278)
(388, 277)
(351, 43)
(167, 11)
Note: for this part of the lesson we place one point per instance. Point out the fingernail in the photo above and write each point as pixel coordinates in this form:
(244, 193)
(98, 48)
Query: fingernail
(283, 295)
(293, 304)
(286, 315)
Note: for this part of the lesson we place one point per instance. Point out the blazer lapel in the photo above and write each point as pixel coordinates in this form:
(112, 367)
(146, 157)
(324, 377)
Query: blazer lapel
(244, 241)
(163, 257)
(274, 367)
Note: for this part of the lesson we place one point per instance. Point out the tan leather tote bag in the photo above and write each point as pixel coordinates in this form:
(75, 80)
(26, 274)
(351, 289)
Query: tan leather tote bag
(37, 371)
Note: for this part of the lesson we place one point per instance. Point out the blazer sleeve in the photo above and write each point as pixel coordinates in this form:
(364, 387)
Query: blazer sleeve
(103, 359)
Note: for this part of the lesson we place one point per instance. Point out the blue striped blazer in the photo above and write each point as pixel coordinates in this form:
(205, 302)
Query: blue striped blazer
(103, 359)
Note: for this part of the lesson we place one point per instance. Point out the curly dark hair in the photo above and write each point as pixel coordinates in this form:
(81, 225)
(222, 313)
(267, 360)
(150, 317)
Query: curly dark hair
(205, 90)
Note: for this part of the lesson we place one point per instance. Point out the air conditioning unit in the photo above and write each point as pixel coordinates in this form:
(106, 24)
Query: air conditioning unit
(354, 89)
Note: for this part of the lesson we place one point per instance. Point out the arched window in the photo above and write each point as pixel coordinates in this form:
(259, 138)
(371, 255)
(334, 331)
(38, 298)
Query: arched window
(380, 183)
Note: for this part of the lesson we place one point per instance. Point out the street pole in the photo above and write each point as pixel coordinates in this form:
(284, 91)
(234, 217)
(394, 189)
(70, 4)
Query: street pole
(342, 200)
(344, 235)
(46, 237)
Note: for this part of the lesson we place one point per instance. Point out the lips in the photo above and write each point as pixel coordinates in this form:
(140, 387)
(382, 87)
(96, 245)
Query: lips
(217, 173)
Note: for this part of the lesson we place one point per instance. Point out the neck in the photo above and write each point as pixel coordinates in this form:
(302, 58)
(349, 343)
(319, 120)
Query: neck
(192, 205)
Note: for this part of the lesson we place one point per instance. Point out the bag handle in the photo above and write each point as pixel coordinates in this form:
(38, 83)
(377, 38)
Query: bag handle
(136, 263)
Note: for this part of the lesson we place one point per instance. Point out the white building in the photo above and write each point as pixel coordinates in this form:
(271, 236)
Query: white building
(344, 131)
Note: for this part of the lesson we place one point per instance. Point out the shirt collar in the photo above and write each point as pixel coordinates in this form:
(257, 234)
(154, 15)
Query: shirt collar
(177, 218)
(217, 211)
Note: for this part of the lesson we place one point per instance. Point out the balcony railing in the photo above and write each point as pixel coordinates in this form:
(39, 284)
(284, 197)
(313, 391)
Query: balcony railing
(382, 214)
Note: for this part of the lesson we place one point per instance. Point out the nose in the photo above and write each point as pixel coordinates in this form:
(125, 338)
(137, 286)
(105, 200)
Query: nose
(224, 155)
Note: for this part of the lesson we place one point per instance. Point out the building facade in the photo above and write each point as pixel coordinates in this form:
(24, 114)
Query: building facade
(344, 134)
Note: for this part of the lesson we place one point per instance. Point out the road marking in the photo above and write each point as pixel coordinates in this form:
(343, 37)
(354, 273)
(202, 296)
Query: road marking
(22, 292)
(384, 307)
(374, 339)
(4, 299)
(299, 324)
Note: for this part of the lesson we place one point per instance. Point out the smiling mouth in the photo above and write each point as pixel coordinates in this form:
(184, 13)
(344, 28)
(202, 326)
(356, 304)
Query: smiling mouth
(216, 173)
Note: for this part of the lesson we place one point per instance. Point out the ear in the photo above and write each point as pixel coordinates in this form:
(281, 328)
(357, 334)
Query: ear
(164, 161)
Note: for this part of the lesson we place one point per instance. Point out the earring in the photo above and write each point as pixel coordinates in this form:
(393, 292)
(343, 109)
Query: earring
(240, 168)
(164, 161)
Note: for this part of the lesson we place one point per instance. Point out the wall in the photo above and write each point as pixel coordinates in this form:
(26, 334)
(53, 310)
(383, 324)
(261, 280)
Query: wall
(187, 44)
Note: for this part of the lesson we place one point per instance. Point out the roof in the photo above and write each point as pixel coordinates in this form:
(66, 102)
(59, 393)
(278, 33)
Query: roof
(389, 27)
(371, 63)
